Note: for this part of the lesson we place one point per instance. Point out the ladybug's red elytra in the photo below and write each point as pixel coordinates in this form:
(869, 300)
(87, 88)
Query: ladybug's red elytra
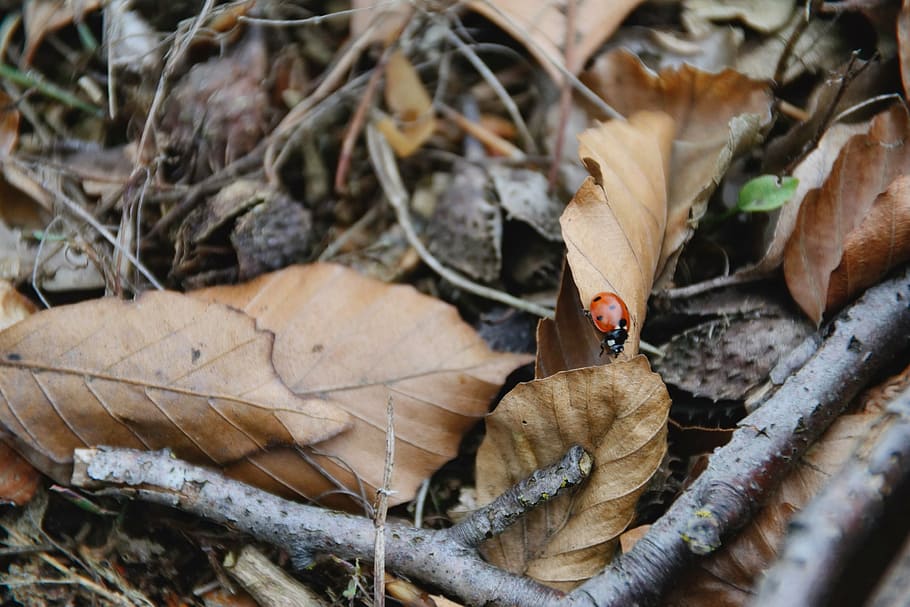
(611, 317)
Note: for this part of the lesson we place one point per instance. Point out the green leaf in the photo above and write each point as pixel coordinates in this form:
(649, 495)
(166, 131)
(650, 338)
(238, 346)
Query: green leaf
(766, 193)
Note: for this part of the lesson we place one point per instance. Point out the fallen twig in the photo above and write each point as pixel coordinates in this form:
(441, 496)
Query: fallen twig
(444, 558)
(836, 525)
(743, 473)
(383, 160)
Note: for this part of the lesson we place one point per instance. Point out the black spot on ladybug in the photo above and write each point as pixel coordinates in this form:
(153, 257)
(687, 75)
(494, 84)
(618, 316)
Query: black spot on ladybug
(598, 298)
(600, 317)
(196, 353)
(622, 323)
(612, 306)
(13, 356)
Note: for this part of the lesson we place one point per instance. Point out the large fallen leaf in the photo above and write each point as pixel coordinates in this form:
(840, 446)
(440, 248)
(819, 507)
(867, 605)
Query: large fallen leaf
(353, 342)
(43, 17)
(618, 413)
(164, 371)
(811, 172)
(717, 115)
(880, 243)
(727, 577)
(866, 166)
(543, 27)
(614, 225)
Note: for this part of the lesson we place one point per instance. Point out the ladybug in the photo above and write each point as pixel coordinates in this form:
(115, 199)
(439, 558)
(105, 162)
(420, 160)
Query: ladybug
(611, 317)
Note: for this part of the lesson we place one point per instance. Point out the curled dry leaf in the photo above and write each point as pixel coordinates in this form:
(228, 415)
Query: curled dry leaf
(614, 225)
(410, 104)
(164, 371)
(866, 166)
(352, 342)
(880, 243)
(43, 17)
(618, 413)
(717, 115)
(811, 172)
(543, 27)
(727, 577)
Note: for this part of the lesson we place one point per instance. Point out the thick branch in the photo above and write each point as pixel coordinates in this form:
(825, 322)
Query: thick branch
(838, 522)
(744, 472)
(446, 559)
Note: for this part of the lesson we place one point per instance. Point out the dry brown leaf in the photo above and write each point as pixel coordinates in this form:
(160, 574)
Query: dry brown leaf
(410, 104)
(811, 172)
(9, 125)
(13, 305)
(614, 225)
(717, 115)
(19, 480)
(867, 164)
(164, 371)
(727, 577)
(763, 16)
(903, 45)
(352, 342)
(382, 21)
(880, 243)
(542, 27)
(618, 413)
(45, 16)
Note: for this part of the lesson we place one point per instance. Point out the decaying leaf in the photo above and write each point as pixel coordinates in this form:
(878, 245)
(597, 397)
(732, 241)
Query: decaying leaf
(866, 166)
(614, 225)
(524, 196)
(728, 576)
(13, 305)
(164, 371)
(465, 228)
(717, 116)
(763, 16)
(618, 413)
(353, 342)
(19, 480)
(724, 359)
(542, 27)
(880, 243)
(412, 121)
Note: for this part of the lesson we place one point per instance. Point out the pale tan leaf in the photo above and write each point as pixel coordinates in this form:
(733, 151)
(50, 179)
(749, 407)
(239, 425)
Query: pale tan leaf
(758, 14)
(13, 305)
(542, 27)
(410, 104)
(352, 342)
(618, 413)
(164, 371)
(881, 242)
(717, 115)
(727, 576)
(867, 164)
(614, 225)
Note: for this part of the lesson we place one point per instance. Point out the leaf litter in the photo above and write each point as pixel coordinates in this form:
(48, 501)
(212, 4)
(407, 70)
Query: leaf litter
(325, 347)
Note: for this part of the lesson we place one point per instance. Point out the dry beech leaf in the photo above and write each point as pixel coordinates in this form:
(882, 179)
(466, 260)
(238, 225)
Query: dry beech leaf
(19, 480)
(726, 578)
(381, 21)
(717, 115)
(542, 27)
(614, 225)
(13, 305)
(410, 104)
(880, 243)
(903, 45)
(763, 16)
(9, 125)
(45, 16)
(353, 342)
(811, 172)
(618, 413)
(164, 371)
(867, 164)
